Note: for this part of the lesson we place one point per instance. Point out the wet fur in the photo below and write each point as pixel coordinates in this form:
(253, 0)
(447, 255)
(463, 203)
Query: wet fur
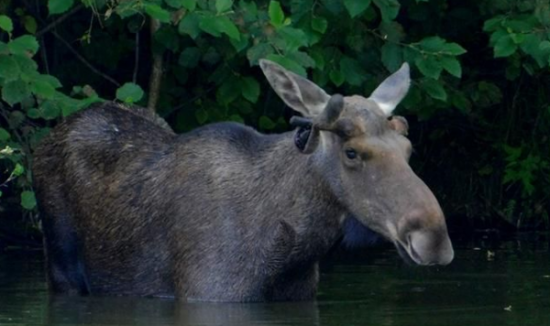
(222, 213)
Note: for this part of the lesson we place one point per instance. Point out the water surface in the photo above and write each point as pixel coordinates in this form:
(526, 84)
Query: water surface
(491, 282)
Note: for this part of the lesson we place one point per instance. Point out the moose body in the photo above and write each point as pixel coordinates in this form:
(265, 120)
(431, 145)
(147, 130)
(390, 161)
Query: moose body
(224, 213)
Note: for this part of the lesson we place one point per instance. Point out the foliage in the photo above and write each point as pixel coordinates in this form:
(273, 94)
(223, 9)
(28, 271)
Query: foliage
(472, 61)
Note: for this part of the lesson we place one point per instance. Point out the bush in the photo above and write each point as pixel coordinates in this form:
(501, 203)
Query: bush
(478, 106)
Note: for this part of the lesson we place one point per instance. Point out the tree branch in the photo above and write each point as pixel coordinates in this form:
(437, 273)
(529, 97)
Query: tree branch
(136, 60)
(156, 71)
(84, 61)
(59, 20)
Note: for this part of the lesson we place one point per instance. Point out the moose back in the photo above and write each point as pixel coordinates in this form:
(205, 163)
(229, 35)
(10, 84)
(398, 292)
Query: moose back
(225, 213)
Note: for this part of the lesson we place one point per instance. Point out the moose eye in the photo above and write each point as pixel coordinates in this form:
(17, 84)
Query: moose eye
(351, 153)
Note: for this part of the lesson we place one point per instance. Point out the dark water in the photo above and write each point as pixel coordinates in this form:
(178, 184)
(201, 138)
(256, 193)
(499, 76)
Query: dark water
(491, 282)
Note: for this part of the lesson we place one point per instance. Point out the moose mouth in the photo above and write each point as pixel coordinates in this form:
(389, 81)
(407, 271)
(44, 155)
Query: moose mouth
(408, 254)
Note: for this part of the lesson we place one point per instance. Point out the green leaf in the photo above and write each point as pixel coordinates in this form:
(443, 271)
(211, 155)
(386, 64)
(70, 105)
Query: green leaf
(258, 51)
(392, 56)
(517, 38)
(28, 200)
(202, 116)
(236, 118)
(216, 25)
(388, 8)
(288, 64)
(4, 49)
(30, 24)
(249, 10)
(266, 123)
(293, 38)
(129, 93)
(18, 170)
(352, 70)
(24, 44)
(432, 44)
(189, 4)
(337, 77)
(223, 5)
(229, 28)
(34, 113)
(228, 91)
(4, 134)
(493, 24)
(189, 57)
(392, 31)
(536, 49)
(54, 82)
(452, 66)
(157, 12)
(15, 92)
(176, 4)
(453, 49)
(250, 89)
(319, 24)
(190, 25)
(42, 89)
(459, 100)
(429, 66)
(168, 38)
(434, 89)
(9, 70)
(6, 24)
(59, 6)
(302, 58)
(318, 58)
(26, 65)
(545, 46)
(505, 47)
(50, 110)
(239, 44)
(356, 7)
(276, 14)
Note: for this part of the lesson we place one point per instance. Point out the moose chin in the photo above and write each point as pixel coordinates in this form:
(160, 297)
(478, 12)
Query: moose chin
(225, 213)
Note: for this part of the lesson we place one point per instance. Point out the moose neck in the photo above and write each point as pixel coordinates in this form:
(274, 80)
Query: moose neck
(299, 194)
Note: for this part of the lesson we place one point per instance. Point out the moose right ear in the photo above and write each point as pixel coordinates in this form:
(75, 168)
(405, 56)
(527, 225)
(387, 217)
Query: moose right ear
(307, 135)
(297, 92)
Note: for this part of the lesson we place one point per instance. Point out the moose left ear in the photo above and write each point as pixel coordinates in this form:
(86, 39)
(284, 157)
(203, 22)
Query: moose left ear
(392, 90)
(399, 124)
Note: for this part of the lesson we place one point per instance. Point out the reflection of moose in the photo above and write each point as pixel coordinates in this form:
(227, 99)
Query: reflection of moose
(67, 310)
(225, 213)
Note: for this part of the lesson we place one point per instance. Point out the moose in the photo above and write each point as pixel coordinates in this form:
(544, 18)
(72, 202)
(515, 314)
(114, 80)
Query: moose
(223, 212)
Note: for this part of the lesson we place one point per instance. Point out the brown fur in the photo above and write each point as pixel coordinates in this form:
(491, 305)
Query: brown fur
(222, 213)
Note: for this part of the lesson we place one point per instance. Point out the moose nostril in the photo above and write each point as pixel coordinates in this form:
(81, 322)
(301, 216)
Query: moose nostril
(430, 247)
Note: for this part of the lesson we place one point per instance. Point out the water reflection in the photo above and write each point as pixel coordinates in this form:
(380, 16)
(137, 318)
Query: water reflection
(139, 311)
(492, 281)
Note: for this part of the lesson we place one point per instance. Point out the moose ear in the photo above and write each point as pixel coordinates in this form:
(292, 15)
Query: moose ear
(392, 90)
(297, 92)
(399, 124)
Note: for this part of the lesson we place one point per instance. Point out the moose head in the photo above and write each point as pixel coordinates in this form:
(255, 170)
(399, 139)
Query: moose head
(361, 149)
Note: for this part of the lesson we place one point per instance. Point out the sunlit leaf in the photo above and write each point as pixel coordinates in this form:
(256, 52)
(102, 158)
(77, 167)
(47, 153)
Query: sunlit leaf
(276, 14)
(157, 12)
(129, 93)
(28, 200)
